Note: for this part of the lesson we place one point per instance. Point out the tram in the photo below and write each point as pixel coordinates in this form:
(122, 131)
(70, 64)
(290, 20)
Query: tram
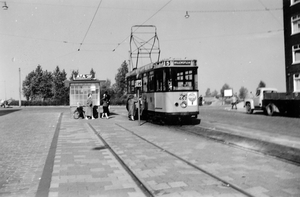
(169, 89)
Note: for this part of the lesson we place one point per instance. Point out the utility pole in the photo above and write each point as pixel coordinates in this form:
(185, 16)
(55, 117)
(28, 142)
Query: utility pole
(19, 87)
(4, 90)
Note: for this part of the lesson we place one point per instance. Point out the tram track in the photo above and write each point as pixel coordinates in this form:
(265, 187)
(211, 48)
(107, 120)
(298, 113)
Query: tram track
(140, 183)
(126, 167)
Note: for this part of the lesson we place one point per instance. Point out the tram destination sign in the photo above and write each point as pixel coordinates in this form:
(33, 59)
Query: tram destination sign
(182, 62)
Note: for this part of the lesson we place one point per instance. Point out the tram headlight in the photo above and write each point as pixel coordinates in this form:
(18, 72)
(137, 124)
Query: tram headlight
(183, 104)
(176, 104)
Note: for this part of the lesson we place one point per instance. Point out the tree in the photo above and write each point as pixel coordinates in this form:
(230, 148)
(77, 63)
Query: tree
(106, 87)
(36, 88)
(225, 87)
(27, 86)
(120, 78)
(38, 85)
(74, 74)
(31, 84)
(214, 93)
(243, 93)
(45, 86)
(93, 73)
(208, 93)
(60, 92)
(261, 85)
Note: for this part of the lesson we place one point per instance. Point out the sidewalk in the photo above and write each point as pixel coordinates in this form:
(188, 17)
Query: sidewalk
(83, 166)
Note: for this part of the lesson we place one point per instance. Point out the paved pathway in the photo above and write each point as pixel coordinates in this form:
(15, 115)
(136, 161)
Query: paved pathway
(165, 175)
(25, 141)
(84, 167)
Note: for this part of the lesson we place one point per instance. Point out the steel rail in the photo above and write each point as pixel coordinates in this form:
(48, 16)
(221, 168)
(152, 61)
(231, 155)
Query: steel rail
(224, 182)
(134, 177)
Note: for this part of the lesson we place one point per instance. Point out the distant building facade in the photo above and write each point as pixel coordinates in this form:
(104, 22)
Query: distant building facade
(291, 19)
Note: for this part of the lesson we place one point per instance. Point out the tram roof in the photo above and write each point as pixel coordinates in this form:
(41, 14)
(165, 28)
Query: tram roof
(164, 63)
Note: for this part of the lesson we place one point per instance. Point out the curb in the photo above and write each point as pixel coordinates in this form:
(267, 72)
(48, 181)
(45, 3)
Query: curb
(272, 149)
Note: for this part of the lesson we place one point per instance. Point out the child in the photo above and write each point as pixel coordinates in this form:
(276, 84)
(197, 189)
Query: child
(79, 112)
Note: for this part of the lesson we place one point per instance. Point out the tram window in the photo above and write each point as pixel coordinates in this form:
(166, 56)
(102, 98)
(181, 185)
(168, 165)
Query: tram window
(145, 82)
(183, 79)
(180, 76)
(168, 79)
(132, 85)
(164, 84)
(151, 82)
(189, 75)
(159, 80)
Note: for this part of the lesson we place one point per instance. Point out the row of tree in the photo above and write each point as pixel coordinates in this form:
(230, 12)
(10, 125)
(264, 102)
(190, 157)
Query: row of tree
(46, 86)
(243, 92)
(40, 85)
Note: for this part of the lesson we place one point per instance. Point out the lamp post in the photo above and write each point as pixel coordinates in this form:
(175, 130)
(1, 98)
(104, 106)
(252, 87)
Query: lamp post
(186, 15)
(19, 87)
(5, 7)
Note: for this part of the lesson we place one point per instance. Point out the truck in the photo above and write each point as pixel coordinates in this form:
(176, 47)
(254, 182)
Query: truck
(273, 102)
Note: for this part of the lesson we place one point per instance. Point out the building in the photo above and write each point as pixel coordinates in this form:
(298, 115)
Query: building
(80, 87)
(291, 20)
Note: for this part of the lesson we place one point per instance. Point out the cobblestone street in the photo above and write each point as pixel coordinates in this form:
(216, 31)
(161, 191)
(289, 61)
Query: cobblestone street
(25, 141)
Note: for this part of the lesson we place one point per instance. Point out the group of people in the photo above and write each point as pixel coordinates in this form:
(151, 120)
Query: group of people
(89, 114)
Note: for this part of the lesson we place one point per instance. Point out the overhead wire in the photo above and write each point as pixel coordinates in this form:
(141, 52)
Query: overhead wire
(233, 11)
(200, 11)
(36, 38)
(53, 40)
(208, 11)
(270, 12)
(224, 35)
(89, 26)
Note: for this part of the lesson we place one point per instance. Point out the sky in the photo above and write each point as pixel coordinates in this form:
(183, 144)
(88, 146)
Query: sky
(237, 42)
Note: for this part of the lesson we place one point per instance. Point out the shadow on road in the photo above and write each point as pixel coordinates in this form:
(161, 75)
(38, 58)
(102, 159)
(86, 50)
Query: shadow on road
(7, 111)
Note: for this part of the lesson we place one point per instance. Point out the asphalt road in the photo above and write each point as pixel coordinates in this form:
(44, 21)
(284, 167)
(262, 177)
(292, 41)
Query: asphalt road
(223, 118)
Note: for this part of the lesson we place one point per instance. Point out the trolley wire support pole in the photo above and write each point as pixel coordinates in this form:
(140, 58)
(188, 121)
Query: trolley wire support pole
(139, 106)
(20, 92)
(138, 85)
